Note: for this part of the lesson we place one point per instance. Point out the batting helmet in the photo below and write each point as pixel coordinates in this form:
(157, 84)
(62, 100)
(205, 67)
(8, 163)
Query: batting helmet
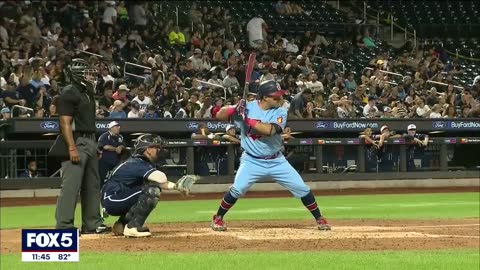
(148, 140)
(270, 89)
(82, 73)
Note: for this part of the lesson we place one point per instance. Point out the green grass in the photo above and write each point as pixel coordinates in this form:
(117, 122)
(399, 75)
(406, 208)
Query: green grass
(405, 206)
(408, 206)
(401, 260)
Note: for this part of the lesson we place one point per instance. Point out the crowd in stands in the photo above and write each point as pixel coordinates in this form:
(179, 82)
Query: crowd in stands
(192, 70)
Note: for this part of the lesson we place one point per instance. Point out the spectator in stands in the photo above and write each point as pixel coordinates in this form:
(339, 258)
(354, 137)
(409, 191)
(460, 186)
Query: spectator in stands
(43, 100)
(116, 111)
(133, 38)
(12, 97)
(121, 93)
(432, 97)
(206, 64)
(176, 37)
(142, 100)
(422, 110)
(5, 113)
(196, 60)
(139, 14)
(31, 171)
(315, 85)
(122, 13)
(135, 110)
(106, 100)
(370, 110)
(350, 83)
(387, 113)
(152, 78)
(257, 32)
(151, 112)
(298, 103)
(185, 107)
(230, 81)
(109, 16)
(436, 111)
(344, 109)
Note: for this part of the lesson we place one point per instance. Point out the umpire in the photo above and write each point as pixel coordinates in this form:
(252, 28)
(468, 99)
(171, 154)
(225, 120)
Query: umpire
(111, 145)
(76, 109)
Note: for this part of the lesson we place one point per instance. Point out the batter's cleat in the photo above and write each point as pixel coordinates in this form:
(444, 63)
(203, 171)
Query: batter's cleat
(139, 232)
(218, 224)
(117, 228)
(323, 224)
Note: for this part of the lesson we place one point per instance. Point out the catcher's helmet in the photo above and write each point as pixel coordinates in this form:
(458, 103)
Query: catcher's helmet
(82, 73)
(148, 140)
(270, 89)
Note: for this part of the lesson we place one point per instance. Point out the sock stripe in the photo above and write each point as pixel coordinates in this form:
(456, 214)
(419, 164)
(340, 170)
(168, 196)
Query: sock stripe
(223, 201)
(312, 206)
(225, 205)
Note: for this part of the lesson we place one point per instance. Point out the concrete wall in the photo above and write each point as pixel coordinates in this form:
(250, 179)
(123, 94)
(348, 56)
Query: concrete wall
(322, 185)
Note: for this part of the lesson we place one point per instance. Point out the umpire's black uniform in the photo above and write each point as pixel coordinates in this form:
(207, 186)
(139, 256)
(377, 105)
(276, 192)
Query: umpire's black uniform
(79, 104)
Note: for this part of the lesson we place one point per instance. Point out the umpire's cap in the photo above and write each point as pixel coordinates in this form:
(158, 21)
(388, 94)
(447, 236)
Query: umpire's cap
(270, 89)
(148, 140)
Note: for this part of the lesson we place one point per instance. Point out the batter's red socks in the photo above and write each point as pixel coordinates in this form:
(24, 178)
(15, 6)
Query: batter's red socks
(311, 205)
(225, 205)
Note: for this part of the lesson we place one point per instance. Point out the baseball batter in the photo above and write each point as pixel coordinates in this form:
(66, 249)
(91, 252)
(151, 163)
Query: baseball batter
(262, 122)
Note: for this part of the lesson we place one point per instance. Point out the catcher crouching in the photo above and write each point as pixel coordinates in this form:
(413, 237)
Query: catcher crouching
(134, 188)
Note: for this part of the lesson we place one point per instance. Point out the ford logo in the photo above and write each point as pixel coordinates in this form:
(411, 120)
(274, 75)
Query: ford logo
(192, 125)
(439, 124)
(49, 125)
(321, 124)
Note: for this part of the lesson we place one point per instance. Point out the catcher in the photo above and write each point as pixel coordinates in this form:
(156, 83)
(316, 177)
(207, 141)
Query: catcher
(133, 189)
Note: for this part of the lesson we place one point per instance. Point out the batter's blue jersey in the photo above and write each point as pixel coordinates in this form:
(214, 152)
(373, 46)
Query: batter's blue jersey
(128, 174)
(260, 145)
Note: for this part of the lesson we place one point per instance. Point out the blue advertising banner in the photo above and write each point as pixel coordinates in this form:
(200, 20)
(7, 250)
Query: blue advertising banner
(313, 125)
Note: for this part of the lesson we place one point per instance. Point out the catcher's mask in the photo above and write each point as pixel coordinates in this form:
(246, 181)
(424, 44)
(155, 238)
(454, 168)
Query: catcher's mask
(82, 73)
(150, 141)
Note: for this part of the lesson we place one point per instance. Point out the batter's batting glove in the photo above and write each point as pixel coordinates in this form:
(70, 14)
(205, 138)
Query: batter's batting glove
(185, 183)
(240, 108)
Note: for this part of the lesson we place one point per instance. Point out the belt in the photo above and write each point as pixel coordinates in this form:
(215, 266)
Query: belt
(267, 157)
(89, 135)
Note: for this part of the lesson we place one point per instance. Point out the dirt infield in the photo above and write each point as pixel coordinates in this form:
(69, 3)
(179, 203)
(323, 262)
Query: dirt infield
(285, 236)
(282, 235)
(6, 202)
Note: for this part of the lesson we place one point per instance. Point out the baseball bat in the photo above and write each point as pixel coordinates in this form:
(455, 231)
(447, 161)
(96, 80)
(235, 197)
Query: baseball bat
(248, 73)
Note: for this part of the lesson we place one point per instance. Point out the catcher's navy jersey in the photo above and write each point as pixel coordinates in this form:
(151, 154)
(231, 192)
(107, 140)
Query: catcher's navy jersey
(259, 145)
(128, 174)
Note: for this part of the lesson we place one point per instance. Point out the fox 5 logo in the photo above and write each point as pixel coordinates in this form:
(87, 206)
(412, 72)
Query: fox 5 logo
(44, 240)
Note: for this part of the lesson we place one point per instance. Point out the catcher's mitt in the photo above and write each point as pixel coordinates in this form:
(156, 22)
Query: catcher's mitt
(185, 183)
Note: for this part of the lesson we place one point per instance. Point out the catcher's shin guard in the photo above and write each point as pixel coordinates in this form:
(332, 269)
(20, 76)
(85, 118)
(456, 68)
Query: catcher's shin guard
(147, 201)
